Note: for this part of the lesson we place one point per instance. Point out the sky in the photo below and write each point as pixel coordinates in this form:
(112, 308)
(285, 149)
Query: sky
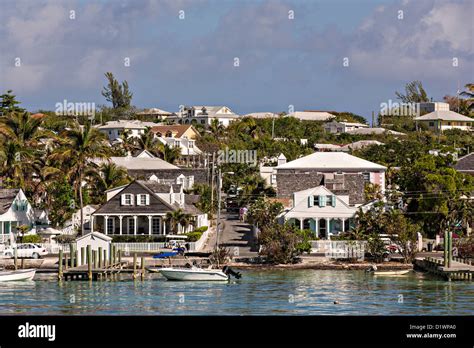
(250, 55)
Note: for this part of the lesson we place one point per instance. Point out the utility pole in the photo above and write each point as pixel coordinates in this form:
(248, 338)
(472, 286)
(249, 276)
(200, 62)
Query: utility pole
(273, 126)
(219, 178)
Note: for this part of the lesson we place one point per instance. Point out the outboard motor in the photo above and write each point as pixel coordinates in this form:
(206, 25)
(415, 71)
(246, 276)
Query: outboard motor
(230, 272)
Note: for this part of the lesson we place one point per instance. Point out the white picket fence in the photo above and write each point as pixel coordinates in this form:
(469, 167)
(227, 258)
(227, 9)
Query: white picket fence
(339, 249)
(139, 247)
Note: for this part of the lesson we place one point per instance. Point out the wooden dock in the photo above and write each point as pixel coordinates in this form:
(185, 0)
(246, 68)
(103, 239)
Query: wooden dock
(85, 273)
(458, 270)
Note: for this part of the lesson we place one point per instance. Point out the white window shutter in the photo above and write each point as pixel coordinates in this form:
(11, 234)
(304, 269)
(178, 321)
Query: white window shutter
(122, 199)
(137, 200)
(147, 199)
(333, 200)
(310, 201)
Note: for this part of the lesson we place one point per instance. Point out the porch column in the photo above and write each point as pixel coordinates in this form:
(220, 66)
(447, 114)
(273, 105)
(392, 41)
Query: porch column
(149, 224)
(301, 223)
(328, 228)
(316, 227)
(164, 225)
(120, 223)
(106, 217)
(135, 218)
(92, 223)
(343, 225)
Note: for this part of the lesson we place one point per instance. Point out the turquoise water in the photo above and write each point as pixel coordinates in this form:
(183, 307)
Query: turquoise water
(276, 292)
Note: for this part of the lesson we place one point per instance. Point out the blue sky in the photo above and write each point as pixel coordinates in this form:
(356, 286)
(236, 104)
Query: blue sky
(189, 61)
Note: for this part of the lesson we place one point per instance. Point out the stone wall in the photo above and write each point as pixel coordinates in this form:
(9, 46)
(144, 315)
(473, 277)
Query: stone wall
(291, 180)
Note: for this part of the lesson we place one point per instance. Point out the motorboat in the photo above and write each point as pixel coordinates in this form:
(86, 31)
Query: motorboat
(21, 274)
(199, 274)
(194, 274)
(399, 272)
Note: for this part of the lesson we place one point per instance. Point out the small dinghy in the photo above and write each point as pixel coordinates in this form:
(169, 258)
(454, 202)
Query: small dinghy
(21, 274)
(389, 273)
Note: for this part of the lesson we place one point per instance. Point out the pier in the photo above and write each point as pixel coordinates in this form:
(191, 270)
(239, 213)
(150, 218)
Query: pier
(447, 267)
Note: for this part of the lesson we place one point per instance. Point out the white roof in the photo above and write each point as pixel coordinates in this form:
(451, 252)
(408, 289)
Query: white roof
(133, 163)
(96, 235)
(362, 143)
(312, 115)
(376, 130)
(261, 115)
(444, 115)
(153, 111)
(128, 124)
(355, 124)
(331, 160)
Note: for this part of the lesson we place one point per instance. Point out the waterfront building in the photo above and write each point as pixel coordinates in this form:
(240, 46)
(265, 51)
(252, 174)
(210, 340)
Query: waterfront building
(95, 240)
(321, 211)
(428, 107)
(439, 121)
(140, 208)
(339, 172)
(15, 210)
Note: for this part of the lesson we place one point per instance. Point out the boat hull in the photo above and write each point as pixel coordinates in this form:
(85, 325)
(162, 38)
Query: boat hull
(401, 272)
(193, 274)
(23, 274)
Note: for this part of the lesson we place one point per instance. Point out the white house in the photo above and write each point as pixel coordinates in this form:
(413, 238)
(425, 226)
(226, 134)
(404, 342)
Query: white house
(87, 213)
(321, 211)
(135, 128)
(439, 121)
(204, 115)
(432, 106)
(96, 240)
(374, 131)
(343, 127)
(15, 210)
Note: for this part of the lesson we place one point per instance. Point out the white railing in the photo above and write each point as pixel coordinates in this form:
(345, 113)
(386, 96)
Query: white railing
(339, 249)
(139, 247)
(54, 248)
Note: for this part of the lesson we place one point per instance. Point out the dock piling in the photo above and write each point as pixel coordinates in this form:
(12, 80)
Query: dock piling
(89, 262)
(60, 264)
(15, 251)
(143, 267)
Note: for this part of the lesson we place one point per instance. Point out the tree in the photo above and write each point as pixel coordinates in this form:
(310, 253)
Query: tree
(178, 217)
(263, 212)
(171, 153)
(79, 147)
(469, 93)
(8, 104)
(460, 105)
(107, 176)
(280, 244)
(118, 95)
(414, 93)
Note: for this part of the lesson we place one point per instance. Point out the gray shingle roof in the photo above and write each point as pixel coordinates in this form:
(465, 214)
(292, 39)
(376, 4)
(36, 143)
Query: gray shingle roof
(6, 199)
(466, 163)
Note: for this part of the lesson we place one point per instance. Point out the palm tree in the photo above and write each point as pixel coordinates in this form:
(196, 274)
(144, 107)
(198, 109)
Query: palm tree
(216, 128)
(79, 146)
(171, 153)
(108, 175)
(178, 217)
(469, 93)
(21, 135)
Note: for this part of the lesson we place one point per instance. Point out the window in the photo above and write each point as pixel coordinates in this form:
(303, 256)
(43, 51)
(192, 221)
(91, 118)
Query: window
(366, 177)
(203, 121)
(127, 199)
(156, 226)
(143, 199)
(191, 144)
(273, 179)
(431, 124)
(316, 200)
(110, 225)
(130, 225)
(329, 200)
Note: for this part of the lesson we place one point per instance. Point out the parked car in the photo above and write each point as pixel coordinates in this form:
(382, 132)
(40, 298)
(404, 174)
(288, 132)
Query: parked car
(27, 250)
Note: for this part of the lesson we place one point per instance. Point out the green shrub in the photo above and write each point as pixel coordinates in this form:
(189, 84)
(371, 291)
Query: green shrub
(201, 229)
(193, 236)
(305, 246)
(32, 238)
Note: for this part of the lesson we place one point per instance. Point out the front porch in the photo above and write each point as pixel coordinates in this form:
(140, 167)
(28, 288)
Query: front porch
(323, 228)
(135, 225)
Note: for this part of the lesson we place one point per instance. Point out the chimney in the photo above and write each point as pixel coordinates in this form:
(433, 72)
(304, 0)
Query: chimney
(281, 159)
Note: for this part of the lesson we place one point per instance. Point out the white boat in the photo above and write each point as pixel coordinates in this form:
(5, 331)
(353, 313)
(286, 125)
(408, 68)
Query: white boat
(194, 274)
(21, 274)
(400, 272)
